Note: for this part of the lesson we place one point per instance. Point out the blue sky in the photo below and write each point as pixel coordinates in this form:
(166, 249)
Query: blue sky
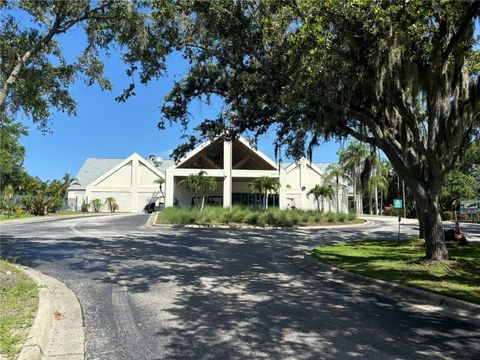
(105, 128)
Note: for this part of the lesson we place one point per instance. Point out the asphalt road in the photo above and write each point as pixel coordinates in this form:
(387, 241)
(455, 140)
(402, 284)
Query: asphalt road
(154, 293)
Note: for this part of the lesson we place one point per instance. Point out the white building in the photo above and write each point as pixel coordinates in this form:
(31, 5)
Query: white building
(130, 181)
(234, 164)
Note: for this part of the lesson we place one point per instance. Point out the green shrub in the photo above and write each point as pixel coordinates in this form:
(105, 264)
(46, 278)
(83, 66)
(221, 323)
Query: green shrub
(96, 205)
(352, 216)
(85, 207)
(390, 211)
(252, 218)
(331, 217)
(447, 216)
(40, 204)
(246, 215)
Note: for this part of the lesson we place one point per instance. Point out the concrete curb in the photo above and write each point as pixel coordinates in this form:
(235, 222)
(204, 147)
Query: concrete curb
(37, 340)
(456, 306)
(58, 328)
(151, 222)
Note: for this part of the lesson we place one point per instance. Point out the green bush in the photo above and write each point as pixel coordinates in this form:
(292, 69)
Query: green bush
(342, 217)
(331, 217)
(447, 216)
(85, 207)
(96, 205)
(40, 204)
(390, 211)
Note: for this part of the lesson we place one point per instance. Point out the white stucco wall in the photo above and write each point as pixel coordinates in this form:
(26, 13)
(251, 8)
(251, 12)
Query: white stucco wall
(301, 177)
(131, 183)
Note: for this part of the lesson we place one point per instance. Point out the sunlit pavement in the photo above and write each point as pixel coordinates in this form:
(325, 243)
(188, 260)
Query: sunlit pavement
(156, 293)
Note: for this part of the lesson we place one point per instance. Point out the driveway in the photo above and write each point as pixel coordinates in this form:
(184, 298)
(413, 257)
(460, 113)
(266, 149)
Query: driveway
(155, 293)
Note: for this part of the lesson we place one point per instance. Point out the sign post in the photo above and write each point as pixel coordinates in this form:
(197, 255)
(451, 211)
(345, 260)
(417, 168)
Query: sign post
(398, 204)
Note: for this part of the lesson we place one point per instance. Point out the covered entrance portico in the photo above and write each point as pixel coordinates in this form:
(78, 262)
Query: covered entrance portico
(234, 164)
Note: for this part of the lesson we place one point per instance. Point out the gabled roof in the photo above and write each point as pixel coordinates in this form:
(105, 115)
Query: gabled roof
(123, 163)
(93, 168)
(308, 163)
(249, 154)
(319, 167)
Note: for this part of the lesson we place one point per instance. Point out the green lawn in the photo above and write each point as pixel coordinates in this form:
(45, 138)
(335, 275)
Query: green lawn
(18, 308)
(13, 217)
(27, 215)
(215, 215)
(458, 277)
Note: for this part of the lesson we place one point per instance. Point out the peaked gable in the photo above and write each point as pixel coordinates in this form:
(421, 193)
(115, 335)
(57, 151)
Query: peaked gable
(210, 155)
(121, 175)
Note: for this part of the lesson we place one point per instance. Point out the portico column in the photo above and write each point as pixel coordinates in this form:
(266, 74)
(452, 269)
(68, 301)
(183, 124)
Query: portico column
(227, 174)
(282, 196)
(169, 188)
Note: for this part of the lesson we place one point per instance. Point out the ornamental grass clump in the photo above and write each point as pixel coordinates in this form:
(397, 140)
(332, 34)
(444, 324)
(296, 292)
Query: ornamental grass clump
(215, 215)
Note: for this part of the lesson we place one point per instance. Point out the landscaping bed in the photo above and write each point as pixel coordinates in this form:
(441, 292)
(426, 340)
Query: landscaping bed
(246, 216)
(18, 308)
(404, 263)
(28, 215)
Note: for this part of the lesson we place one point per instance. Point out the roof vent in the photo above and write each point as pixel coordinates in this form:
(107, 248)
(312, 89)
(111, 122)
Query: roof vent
(155, 160)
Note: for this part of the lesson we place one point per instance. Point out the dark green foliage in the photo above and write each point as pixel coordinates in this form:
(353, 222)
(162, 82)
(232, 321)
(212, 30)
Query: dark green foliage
(447, 216)
(34, 73)
(402, 76)
(11, 152)
(85, 207)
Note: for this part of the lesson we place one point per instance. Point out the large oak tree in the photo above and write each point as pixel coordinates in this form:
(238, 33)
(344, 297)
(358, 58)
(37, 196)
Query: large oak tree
(402, 76)
(35, 74)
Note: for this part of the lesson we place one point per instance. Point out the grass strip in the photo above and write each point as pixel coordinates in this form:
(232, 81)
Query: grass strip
(18, 308)
(404, 263)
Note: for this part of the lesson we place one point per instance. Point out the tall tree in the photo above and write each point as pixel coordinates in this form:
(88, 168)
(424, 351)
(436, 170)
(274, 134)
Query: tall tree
(378, 181)
(204, 184)
(35, 76)
(403, 76)
(11, 152)
(353, 159)
(335, 171)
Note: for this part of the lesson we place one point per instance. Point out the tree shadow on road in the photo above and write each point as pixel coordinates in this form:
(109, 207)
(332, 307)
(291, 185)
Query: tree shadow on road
(235, 294)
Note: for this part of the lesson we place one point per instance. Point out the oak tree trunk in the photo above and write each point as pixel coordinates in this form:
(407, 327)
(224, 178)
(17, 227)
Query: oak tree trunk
(435, 247)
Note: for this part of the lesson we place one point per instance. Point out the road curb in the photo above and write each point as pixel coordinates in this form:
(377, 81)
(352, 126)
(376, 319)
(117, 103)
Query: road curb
(37, 339)
(58, 328)
(456, 306)
(252, 227)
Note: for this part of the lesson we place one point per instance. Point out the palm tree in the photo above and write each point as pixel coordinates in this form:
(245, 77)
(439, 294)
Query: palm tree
(264, 185)
(379, 181)
(160, 181)
(335, 171)
(204, 185)
(320, 192)
(111, 204)
(353, 159)
(96, 205)
(67, 180)
(190, 184)
(199, 184)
